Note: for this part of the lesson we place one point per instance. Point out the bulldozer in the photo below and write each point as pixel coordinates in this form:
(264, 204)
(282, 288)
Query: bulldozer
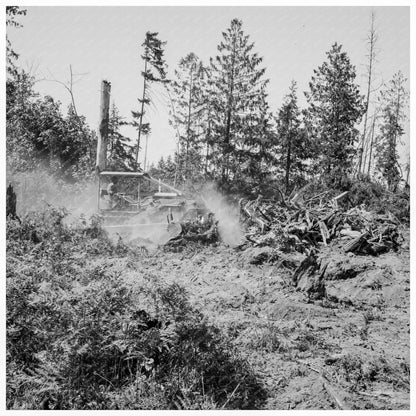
(133, 204)
(138, 207)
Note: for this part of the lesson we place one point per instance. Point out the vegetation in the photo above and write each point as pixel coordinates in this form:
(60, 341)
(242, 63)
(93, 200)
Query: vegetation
(225, 130)
(293, 144)
(120, 153)
(187, 114)
(335, 108)
(154, 72)
(394, 98)
(82, 337)
(86, 327)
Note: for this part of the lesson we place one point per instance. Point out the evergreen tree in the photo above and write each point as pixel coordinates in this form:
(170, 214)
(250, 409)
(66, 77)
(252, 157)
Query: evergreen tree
(335, 107)
(154, 72)
(187, 113)
(120, 154)
(394, 100)
(169, 170)
(239, 102)
(291, 138)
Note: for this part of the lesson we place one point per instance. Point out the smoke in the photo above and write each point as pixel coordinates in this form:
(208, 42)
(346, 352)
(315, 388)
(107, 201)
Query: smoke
(229, 227)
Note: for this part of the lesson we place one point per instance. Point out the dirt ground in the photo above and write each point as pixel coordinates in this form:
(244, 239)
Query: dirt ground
(349, 350)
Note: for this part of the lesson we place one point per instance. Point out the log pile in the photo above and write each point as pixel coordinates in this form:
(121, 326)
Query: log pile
(291, 226)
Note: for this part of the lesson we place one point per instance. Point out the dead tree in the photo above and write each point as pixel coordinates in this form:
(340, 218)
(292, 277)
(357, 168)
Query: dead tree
(370, 146)
(103, 127)
(372, 38)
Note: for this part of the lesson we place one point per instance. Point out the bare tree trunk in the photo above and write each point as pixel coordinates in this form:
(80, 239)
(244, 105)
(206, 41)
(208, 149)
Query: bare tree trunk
(10, 202)
(141, 114)
(188, 127)
(145, 154)
(103, 127)
(288, 157)
(227, 138)
(372, 41)
(407, 174)
(371, 145)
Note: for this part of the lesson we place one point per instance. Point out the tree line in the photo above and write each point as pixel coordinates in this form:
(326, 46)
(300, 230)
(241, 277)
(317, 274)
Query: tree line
(225, 129)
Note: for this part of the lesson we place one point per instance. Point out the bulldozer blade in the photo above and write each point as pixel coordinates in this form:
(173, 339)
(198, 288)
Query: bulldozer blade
(158, 233)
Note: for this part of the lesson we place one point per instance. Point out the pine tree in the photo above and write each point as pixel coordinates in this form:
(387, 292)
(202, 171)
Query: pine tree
(291, 139)
(335, 107)
(154, 72)
(239, 103)
(394, 100)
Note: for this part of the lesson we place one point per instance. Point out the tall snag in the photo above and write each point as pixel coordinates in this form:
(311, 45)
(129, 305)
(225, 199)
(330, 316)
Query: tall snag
(372, 38)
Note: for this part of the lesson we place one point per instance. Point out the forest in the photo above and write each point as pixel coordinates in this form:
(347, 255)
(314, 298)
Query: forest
(286, 302)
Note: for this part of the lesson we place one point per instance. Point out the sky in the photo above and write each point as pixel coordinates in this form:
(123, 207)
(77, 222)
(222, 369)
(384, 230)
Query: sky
(104, 43)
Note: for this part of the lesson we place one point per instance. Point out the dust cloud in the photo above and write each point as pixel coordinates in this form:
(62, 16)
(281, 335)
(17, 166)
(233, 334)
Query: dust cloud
(37, 189)
(229, 227)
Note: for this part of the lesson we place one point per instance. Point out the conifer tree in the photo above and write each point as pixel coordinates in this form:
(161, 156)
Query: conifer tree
(335, 108)
(291, 139)
(120, 154)
(239, 102)
(394, 100)
(188, 105)
(154, 72)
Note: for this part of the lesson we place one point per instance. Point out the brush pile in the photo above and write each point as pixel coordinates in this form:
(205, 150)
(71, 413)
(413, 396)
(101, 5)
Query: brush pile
(294, 226)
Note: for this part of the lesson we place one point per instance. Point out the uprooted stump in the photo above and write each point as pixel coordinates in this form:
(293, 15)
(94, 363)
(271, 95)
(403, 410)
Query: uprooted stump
(193, 232)
(309, 277)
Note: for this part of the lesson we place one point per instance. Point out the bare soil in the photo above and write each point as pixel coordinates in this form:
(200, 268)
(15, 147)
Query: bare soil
(349, 350)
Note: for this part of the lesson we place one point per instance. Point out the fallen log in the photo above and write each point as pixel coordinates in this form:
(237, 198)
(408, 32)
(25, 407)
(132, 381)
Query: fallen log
(356, 243)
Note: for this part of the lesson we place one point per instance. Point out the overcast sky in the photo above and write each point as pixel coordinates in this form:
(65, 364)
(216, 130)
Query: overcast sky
(104, 43)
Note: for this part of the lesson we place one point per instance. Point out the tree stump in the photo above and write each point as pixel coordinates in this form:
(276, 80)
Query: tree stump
(10, 202)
